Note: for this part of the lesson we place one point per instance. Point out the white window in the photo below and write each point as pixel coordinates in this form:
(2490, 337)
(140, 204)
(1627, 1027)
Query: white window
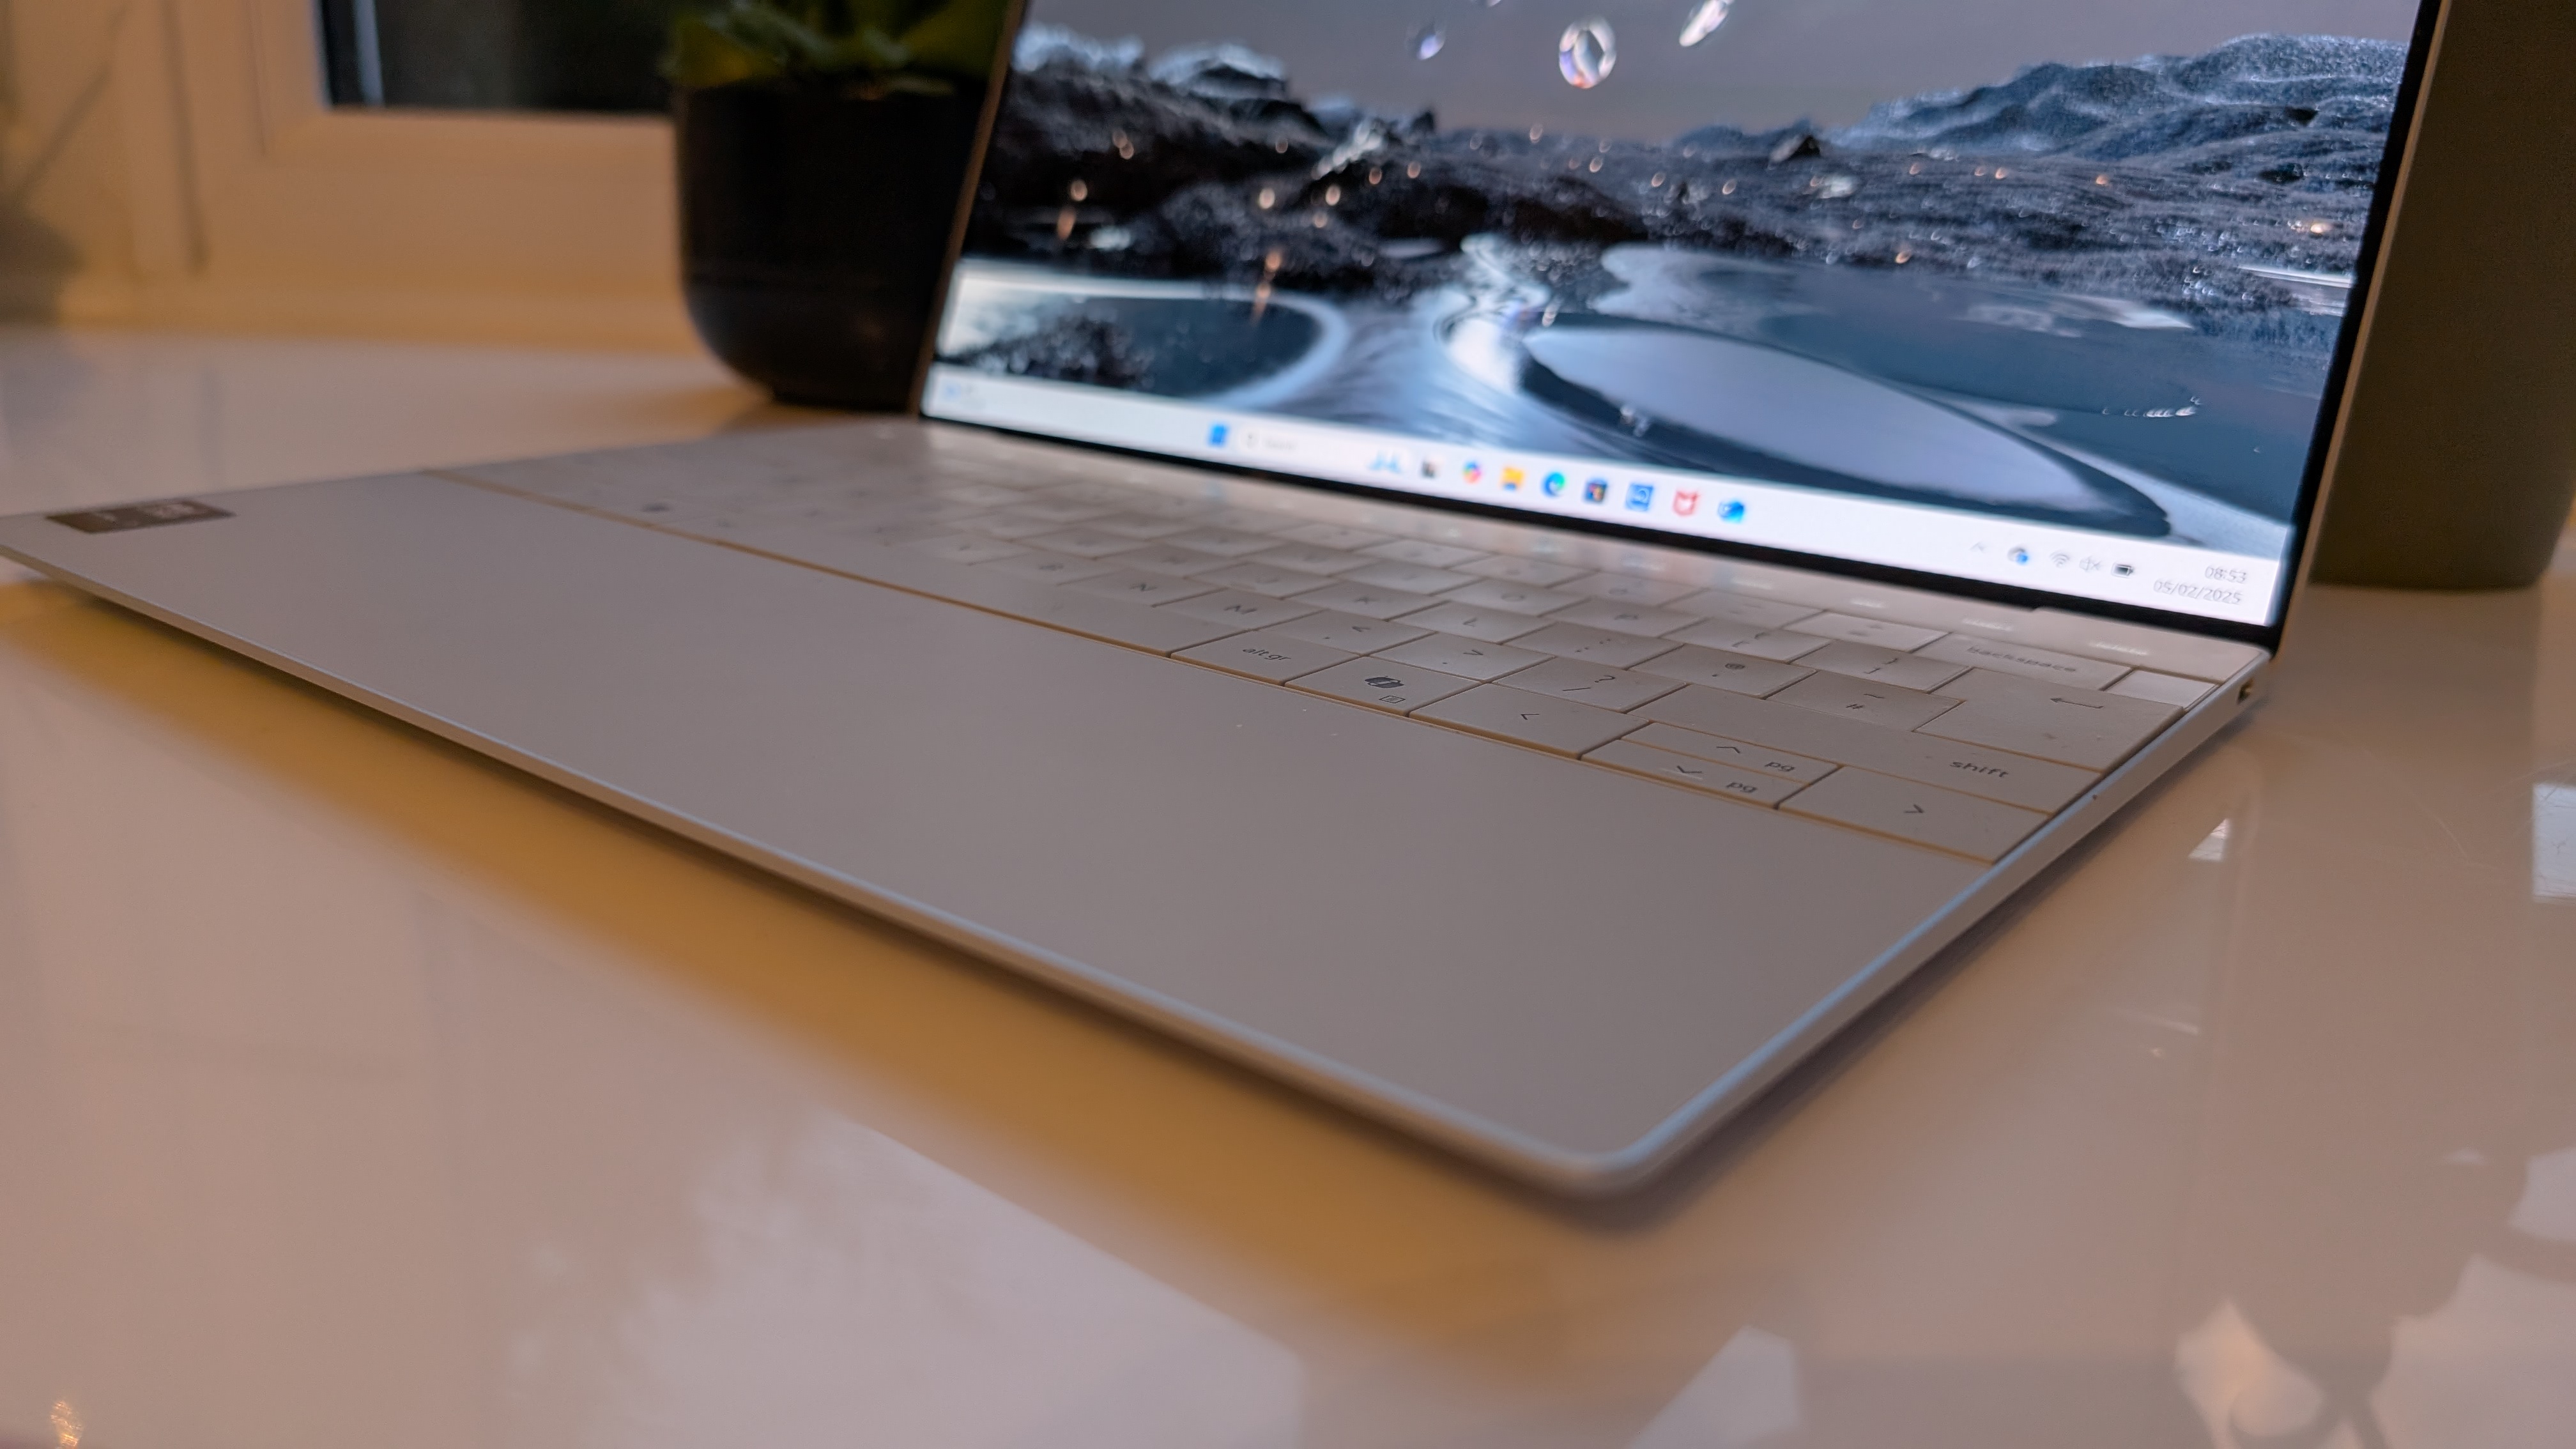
(249, 201)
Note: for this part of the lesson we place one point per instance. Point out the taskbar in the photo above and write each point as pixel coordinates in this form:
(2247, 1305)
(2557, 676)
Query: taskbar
(2175, 578)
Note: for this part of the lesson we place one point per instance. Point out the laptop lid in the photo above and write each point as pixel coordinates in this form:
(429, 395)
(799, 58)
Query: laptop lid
(2048, 301)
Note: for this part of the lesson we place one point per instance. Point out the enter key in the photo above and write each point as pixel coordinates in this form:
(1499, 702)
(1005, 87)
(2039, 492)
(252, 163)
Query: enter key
(2073, 727)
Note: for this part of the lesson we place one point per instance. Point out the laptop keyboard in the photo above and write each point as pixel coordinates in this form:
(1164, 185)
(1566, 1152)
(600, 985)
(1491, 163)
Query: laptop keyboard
(1945, 723)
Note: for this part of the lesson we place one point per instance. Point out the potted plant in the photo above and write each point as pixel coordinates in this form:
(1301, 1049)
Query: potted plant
(823, 148)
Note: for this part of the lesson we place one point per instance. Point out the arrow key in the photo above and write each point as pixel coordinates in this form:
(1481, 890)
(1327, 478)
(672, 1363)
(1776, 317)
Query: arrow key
(1752, 759)
(1920, 814)
(1540, 720)
(1721, 780)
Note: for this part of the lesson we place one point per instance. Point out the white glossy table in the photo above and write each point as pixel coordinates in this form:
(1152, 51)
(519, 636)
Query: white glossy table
(354, 1091)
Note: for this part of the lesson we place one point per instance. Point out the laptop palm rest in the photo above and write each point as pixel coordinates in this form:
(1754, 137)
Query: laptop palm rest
(1538, 963)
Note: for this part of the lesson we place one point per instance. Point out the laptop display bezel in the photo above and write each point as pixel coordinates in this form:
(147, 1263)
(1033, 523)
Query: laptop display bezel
(2315, 479)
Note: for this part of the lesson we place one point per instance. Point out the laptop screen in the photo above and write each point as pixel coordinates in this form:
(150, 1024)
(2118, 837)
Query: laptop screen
(2036, 293)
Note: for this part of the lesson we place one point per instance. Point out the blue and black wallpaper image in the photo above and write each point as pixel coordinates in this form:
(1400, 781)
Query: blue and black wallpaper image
(2071, 261)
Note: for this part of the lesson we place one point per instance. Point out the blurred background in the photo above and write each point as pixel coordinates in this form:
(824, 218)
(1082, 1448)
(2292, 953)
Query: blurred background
(486, 170)
(550, 55)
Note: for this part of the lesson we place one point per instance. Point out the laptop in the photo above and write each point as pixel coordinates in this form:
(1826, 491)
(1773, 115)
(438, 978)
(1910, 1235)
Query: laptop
(1514, 569)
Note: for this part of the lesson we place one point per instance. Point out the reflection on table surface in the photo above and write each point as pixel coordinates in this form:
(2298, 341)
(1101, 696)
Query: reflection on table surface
(355, 1090)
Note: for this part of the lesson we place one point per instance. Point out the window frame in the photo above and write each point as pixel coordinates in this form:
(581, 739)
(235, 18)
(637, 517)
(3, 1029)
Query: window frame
(256, 202)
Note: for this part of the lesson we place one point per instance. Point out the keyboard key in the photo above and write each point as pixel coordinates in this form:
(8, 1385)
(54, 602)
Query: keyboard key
(963, 548)
(1491, 625)
(1750, 758)
(1630, 589)
(1244, 611)
(1373, 600)
(1695, 664)
(1353, 632)
(865, 518)
(1741, 609)
(823, 512)
(1854, 598)
(1626, 618)
(1973, 769)
(2064, 670)
(1512, 598)
(1880, 704)
(1463, 532)
(1563, 548)
(1108, 619)
(1138, 588)
(1987, 684)
(1658, 563)
(1550, 723)
(1099, 498)
(1010, 523)
(982, 495)
(1467, 658)
(1918, 813)
(1167, 558)
(2087, 729)
(1594, 646)
(1259, 578)
(890, 535)
(1230, 542)
(1750, 639)
(1082, 542)
(1143, 527)
(1595, 684)
(1250, 520)
(2170, 689)
(1716, 779)
(1881, 666)
(1334, 535)
(1885, 633)
(1522, 570)
(1135, 500)
(876, 516)
(1416, 551)
(2139, 646)
(1307, 558)
(1048, 568)
(1413, 578)
(1062, 510)
(1383, 684)
(1265, 655)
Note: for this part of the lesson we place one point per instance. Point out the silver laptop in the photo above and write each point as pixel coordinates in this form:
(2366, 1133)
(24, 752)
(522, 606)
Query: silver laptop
(1514, 569)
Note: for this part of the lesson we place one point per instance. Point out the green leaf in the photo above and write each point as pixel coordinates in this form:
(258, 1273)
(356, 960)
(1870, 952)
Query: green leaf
(890, 16)
(880, 39)
(958, 38)
(873, 49)
(701, 56)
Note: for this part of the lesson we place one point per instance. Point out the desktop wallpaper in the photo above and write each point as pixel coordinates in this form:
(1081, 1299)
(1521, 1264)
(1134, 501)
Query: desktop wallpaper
(2078, 262)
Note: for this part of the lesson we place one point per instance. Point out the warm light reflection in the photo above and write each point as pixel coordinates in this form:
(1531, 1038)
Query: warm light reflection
(2488, 1368)
(2245, 1392)
(2553, 842)
(2548, 1206)
(839, 1277)
(1746, 1396)
(67, 1426)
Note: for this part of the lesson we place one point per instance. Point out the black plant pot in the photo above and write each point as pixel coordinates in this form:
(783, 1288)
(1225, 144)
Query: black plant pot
(814, 219)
